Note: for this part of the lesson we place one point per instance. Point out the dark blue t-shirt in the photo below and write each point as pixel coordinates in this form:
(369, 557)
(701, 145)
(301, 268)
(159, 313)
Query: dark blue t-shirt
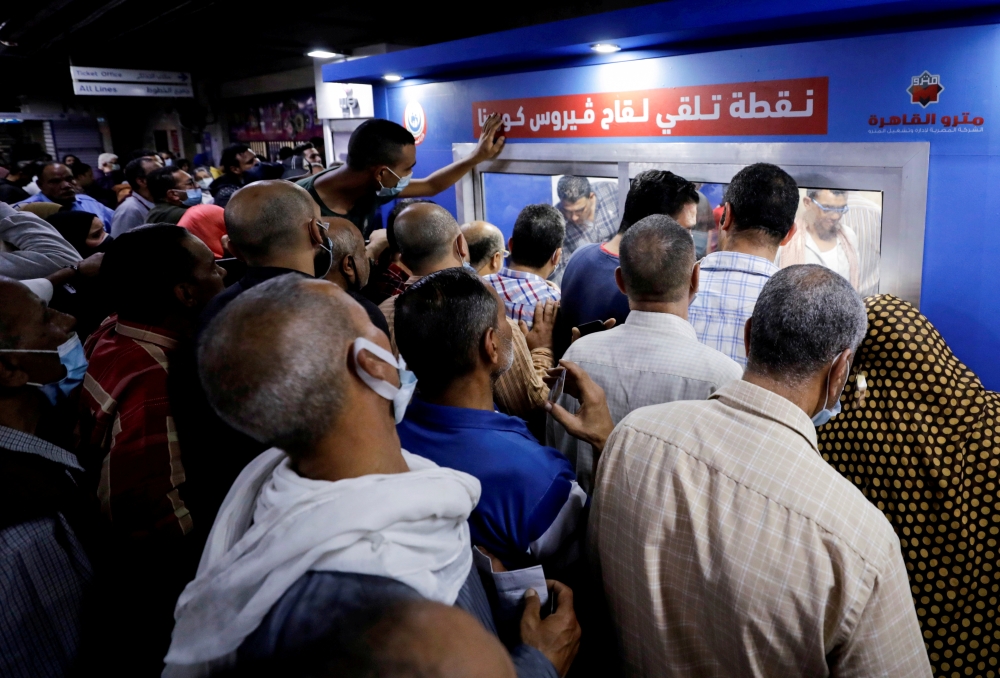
(589, 291)
(525, 485)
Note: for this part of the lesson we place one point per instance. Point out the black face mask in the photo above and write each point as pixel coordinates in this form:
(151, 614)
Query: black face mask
(323, 261)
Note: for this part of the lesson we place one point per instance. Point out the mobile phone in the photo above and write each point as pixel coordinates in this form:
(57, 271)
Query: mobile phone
(556, 390)
(591, 327)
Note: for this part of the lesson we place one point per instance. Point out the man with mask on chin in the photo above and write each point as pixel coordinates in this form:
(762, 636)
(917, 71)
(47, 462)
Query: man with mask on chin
(46, 572)
(380, 159)
(789, 552)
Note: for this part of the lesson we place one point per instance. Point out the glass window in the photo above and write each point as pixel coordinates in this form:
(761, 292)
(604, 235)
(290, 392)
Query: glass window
(841, 230)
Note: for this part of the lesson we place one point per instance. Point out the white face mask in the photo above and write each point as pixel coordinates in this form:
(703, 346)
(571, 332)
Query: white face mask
(399, 395)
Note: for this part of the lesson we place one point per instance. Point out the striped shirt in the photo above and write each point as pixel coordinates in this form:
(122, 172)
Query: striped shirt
(602, 229)
(521, 292)
(728, 547)
(728, 288)
(864, 218)
(128, 430)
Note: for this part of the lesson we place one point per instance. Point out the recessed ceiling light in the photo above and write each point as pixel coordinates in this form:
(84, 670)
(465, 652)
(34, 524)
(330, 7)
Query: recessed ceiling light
(392, 77)
(322, 54)
(605, 48)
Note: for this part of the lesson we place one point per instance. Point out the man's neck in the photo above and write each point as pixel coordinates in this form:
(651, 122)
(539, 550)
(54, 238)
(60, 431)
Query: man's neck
(450, 262)
(751, 246)
(677, 308)
(542, 271)
(826, 241)
(369, 446)
(304, 262)
(474, 391)
(613, 244)
(144, 194)
(21, 409)
(802, 396)
(342, 188)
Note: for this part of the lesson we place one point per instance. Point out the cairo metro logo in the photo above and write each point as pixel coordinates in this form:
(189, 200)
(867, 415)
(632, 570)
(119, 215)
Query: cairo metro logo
(925, 89)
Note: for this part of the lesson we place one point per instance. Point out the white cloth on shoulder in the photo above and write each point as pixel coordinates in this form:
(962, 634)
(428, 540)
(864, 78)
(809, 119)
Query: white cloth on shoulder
(275, 526)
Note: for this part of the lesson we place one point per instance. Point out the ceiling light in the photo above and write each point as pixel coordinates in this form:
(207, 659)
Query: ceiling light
(392, 77)
(322, 54)
(605, 48)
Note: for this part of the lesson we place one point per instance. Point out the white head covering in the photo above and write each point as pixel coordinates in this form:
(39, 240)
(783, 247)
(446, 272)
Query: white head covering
(275, 526)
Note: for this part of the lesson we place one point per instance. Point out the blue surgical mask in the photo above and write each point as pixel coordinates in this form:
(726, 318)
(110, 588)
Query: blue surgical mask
(72, 357)
(399, 395)
(825, 415)
(384, 192)
(193, 197)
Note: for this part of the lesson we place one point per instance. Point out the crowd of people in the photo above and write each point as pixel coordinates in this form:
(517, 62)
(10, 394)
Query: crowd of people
(255, 433)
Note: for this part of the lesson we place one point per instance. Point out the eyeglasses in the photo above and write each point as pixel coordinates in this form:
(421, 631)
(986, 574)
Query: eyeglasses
(836, 210)
(505, 253)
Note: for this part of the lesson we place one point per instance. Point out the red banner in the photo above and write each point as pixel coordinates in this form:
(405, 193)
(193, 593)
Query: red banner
(737, 109)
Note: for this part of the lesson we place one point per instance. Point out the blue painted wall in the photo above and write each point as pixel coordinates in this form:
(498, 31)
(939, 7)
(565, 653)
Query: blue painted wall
(868, 75)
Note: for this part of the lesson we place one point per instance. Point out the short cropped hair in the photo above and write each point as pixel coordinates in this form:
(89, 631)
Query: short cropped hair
(805, 317)
(390, 221)
(377, 142)
(571, 189)
(141, 268)
(79, 168)
(439, 322)
(483, 249)
(229, 154)
(763, 197)
(538, 232)
(274, 362)
(263, 227)
(134, 171)
(657, 256)
(161, 180)
(656, 192)
(427, 241)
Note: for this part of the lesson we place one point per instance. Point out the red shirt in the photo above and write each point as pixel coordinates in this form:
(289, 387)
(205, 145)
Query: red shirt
(129, 432)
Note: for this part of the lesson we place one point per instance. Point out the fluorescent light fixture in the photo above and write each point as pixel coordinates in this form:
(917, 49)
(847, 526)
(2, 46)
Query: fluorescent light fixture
(392, 77)
(605, 48)
(322, 54)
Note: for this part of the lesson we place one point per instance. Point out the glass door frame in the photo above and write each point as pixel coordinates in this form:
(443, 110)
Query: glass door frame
(898, 170)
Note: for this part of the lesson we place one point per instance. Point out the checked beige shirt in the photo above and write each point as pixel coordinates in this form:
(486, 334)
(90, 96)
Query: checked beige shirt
(728, 547)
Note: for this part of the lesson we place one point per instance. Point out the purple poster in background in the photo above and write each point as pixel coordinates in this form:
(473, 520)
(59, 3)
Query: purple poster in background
(289, 117)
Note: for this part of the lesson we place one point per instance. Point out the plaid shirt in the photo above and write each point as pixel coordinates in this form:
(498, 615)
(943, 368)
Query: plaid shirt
(728, 547)
(727, 292)
(603, 228)
(129, 431)
(521, 292)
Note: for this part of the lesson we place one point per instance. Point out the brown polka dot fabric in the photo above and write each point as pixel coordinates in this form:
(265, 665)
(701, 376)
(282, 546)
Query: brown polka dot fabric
(925, 449)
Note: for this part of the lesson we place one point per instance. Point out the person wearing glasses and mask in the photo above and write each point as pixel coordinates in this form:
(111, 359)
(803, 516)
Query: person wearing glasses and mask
(821, 237)
(381, 156)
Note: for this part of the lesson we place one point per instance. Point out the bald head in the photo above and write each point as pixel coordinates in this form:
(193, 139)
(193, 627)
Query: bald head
(274, 361)
(426, 234)
(485, 242)
(267, 218)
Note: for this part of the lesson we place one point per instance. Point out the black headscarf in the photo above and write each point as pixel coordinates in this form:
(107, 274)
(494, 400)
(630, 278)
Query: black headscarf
(75, 227)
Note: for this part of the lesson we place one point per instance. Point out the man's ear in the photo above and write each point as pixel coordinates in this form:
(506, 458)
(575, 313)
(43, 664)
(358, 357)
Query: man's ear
(491, 347)
(746, 336)
(695, 276)
(839, 372)
(788, 236)
(315, 234)
(620, 280)
(348, 268)
(556, 256)
(726, 222)
(462, 247)
(12, 377)
(187, 294)
(375, 367)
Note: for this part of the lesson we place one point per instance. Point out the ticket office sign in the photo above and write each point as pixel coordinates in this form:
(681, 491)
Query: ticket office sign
(768, 107)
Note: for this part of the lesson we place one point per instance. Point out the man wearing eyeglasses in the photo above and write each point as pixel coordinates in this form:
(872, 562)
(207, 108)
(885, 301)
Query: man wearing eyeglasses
(822, 237)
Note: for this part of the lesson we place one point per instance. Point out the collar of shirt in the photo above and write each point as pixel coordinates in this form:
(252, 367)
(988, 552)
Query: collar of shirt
(520, 275)
(742, 395)
(255, 275)
(19, 441)
(814, 248)
(150, 334)
(142, 201)
(427, 415)
(665, 323)
(738, 261)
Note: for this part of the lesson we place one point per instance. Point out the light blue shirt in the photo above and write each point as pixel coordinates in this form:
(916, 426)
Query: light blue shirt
(83, 203)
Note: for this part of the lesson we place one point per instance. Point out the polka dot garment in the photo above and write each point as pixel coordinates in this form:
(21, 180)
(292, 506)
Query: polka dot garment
(924, 447)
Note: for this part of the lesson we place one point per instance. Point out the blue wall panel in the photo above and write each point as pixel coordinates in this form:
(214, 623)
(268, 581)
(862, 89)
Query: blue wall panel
(867, 76)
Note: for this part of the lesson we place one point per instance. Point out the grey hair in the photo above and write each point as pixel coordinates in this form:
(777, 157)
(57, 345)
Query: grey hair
(274, 362)
(657, 257)
(482, 250)
(424, 241)
(804, 318)
(260, 227)
(570, 189)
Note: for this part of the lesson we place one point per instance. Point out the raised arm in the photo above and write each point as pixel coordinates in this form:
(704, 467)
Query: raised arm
(449, 176)
(41, 251)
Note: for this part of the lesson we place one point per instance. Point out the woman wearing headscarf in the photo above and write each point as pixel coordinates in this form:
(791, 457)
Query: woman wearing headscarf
(82, 298)
(922, 442)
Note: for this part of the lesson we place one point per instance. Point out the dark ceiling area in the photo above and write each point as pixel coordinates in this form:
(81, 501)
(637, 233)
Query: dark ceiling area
(228, 39)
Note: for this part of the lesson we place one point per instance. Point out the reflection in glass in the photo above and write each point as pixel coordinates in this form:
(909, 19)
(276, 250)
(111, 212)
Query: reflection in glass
(841, 230)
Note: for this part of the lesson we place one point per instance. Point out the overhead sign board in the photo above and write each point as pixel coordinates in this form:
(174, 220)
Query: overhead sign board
(127, 89)
(128, 75)
(338, 100)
